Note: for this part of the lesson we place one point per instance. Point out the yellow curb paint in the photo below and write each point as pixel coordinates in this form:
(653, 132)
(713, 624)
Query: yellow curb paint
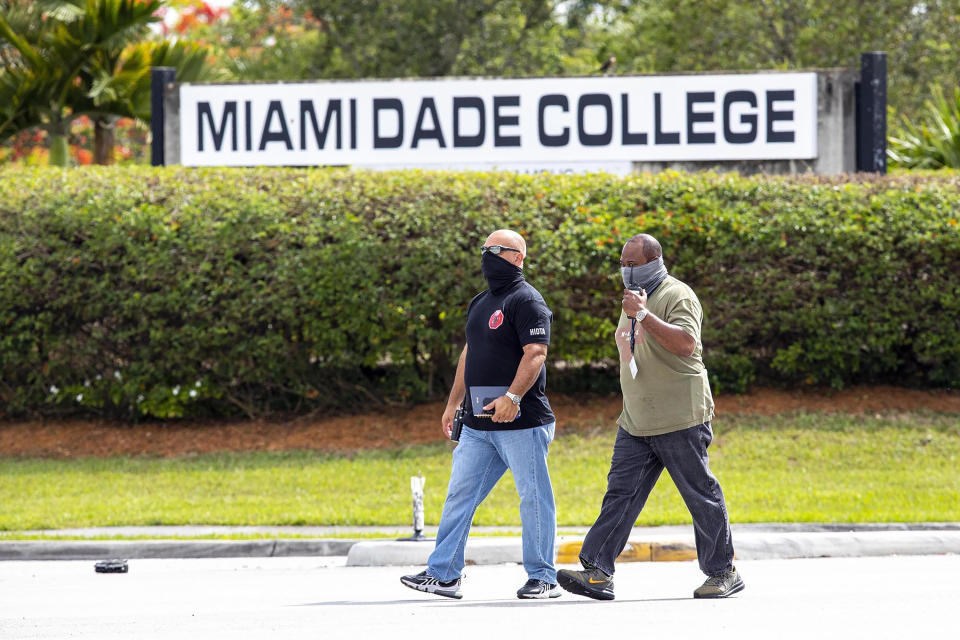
(636, 552)
(673, 552)
(569, 552)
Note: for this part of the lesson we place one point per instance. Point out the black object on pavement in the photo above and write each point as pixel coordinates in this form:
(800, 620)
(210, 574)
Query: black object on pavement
(111, 566)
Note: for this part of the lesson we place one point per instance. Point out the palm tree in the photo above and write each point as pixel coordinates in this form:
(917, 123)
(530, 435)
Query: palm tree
(119, 84)
(62, 59)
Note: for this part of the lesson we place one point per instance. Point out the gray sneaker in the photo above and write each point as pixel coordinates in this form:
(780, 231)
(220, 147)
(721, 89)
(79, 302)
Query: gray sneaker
(425, 582)
(726, 584)
(537, 589)
(592, 583)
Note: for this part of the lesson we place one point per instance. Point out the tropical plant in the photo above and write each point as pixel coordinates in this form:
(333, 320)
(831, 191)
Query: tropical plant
(933, 142)
(118, 83)
(63, 59)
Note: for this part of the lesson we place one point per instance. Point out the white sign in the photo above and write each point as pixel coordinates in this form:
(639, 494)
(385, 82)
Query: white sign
(568, 168)
(491, 122)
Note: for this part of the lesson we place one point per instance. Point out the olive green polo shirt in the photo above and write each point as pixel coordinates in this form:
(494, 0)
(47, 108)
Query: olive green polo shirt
(670, 392)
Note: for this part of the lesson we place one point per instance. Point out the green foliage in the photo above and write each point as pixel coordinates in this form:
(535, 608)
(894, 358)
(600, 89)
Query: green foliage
(311, 39)
(54, 47)
(791, 468)
(172, 292)
(655, 36)
(314, 39)
(934, 141)
(60, 60)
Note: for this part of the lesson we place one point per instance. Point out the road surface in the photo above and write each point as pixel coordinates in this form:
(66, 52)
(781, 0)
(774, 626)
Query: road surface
(890, 597)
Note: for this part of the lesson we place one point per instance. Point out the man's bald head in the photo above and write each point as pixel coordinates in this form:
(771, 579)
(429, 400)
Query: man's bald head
(512, 239)
(647, 245)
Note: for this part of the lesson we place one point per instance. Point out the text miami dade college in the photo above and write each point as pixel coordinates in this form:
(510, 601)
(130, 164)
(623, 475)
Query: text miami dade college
(434, 122)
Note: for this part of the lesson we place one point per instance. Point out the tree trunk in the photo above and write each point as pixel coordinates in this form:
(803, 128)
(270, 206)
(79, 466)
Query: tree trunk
(59, 152)
(103, 139)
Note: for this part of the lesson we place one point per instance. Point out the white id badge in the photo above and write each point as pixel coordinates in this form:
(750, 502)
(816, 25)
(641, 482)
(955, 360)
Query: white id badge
(633, 366)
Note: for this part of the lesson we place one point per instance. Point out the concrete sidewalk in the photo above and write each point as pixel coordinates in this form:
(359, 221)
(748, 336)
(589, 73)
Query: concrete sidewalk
(378, 546)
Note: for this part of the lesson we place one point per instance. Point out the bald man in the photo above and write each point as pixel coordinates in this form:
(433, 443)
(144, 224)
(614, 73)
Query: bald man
(508, 423)
(665, 424)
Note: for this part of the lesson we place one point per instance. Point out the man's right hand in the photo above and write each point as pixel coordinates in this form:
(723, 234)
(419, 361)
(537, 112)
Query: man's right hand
(446, 422)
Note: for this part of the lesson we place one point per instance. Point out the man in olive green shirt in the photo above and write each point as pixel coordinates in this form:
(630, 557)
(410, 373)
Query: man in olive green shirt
(665, 424)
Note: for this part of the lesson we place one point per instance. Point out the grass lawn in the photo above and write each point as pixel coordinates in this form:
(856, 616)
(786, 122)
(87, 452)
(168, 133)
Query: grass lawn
(795, 468)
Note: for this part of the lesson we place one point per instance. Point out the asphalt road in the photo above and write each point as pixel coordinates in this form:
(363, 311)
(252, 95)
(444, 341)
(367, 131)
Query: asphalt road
(888, 597)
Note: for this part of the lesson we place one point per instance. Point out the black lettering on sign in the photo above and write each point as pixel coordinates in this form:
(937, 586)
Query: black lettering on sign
(248, 125)
(746, 137)
(229, 115)
(693, 117)
(777, 116)
(384, 142)
(469, 102)
(626, 136)
(434, 133)
(660, 136)
(268, 134)
(595, 100)
(320, 134)
(353, 123)
(561, 139)
(505, 121)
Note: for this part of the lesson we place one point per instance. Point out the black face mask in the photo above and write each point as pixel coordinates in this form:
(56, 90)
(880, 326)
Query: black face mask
(501, 276)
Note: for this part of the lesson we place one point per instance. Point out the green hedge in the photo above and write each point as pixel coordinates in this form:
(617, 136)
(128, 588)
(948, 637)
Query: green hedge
(171, 292)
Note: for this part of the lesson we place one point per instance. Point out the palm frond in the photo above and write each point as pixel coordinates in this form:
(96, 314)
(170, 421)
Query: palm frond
(933, 142)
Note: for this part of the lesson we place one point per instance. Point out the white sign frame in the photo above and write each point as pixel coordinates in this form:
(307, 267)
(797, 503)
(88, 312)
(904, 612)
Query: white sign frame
(528, 122)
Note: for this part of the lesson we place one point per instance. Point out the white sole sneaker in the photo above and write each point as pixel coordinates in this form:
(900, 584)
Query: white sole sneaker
(553, 592)
(429, 584)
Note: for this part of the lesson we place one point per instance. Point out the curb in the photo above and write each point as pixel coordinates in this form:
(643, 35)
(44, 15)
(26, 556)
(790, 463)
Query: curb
(140, 549)
(645, 546)
(783, 546)
(749, 546)
(569, 552)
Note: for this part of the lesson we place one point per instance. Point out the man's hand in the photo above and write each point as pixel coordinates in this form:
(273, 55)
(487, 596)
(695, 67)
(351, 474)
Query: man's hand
(446, 422)
(633, 302)
(503, 409)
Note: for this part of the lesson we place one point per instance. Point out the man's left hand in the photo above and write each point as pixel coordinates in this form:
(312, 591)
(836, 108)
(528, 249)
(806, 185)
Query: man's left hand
(633, 302)
(503, 409)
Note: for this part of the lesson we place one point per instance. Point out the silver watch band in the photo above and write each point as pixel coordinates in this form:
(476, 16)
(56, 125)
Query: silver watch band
(514, 398)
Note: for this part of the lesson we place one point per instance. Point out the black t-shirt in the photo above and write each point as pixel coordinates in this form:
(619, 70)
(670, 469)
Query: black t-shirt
(498, 327)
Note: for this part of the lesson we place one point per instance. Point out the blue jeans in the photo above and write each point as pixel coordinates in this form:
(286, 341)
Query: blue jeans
(636, 464)
(479, 461)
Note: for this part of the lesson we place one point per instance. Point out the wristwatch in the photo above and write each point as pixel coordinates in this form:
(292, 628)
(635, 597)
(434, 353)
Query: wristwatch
(643, 314)
(514, 398)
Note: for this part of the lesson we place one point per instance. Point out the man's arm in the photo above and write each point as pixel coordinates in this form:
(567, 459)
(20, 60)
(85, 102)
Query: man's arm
(673, 338)
(534, 355)
(457, 392)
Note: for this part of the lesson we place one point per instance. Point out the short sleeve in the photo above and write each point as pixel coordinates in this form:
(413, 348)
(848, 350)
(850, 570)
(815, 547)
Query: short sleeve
(687, 314)
(532, 318)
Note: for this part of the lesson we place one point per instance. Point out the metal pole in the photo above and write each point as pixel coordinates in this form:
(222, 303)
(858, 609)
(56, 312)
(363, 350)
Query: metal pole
(872, 113)
(416, 487)
(160, 77)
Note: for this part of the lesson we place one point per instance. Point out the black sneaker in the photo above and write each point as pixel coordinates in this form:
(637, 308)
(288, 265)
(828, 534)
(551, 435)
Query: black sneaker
(592, 583)
(425, 582)
(538, 589)
(726, 584)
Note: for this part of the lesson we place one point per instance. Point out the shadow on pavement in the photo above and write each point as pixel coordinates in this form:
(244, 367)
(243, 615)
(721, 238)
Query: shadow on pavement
(449, 602)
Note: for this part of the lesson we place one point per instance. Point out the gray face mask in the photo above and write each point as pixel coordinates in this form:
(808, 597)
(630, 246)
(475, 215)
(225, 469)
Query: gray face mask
(645, 276)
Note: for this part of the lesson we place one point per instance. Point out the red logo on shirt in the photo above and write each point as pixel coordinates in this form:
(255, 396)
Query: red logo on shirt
(496, 319)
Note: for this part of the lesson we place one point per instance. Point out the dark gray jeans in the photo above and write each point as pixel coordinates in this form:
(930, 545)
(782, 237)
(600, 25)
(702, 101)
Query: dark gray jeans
(634, 469)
